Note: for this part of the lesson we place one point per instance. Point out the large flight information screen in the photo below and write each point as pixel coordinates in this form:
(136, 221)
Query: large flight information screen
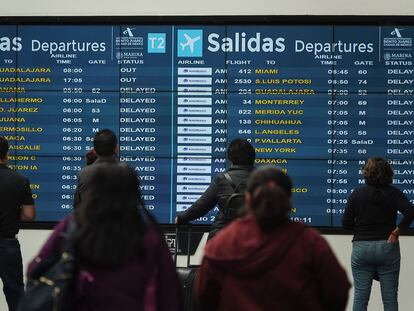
(316, 101)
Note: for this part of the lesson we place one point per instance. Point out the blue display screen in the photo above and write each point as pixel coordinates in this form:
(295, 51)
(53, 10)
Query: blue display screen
(316, 101)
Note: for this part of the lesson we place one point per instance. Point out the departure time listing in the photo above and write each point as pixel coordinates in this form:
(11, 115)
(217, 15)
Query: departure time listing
(316, 101)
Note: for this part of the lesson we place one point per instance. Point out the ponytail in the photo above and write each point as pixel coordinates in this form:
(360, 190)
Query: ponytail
(271, 206)
(270, 192)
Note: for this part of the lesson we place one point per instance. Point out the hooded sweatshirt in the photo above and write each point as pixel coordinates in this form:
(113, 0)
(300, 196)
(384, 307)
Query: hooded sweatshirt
(289, 269)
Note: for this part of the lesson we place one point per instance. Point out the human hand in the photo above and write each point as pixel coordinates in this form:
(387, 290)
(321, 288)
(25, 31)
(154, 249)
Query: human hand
(176, 220)
(392, 238)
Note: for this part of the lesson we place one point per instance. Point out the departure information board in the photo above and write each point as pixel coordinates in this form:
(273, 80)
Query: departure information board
(316, 101)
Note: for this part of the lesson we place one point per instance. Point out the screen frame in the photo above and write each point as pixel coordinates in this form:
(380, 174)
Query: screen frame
(319, 20)
(373, 20)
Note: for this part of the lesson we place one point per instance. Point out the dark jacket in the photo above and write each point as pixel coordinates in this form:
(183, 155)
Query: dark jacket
(84, 175)
(14, 192)
(151, 282)
(292, 268)
(216, 194)
(372, 219)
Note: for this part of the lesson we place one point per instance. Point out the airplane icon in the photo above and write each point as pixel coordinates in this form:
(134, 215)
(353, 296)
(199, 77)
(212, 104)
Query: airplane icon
(190, 42)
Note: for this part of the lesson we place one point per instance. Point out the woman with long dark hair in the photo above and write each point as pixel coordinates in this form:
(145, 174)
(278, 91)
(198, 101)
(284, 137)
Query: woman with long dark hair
(371, 212)
(265, 261)
(123, 261)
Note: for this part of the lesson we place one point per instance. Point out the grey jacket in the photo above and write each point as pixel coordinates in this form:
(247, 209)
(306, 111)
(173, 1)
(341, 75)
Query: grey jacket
(216, 194)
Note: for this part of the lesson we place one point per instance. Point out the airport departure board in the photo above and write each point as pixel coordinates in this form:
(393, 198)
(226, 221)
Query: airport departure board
(314, 100)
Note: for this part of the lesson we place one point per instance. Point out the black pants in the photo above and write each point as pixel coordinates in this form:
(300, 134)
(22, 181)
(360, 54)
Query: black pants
(11, 271)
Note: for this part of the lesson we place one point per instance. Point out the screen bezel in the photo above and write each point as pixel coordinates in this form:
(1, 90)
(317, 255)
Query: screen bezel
(363, 20)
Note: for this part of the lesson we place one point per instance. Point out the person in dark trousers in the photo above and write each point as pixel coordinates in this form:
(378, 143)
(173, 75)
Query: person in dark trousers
(105, 146)
(265, 261)
(242, 155)
(371, 212)
(123, 262)
(17, 205)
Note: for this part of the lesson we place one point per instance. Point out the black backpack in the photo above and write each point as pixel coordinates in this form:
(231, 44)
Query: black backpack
(233, 206)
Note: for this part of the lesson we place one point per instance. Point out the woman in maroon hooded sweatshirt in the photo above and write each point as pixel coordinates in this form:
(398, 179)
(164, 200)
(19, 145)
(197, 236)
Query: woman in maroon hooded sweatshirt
(264, 261)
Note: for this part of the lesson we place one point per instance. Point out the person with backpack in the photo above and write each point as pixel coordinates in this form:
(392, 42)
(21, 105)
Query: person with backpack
(226, 190)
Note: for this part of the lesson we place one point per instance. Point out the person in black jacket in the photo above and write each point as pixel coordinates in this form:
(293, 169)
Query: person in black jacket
(16, 205)
(371, 212)
(242, 155)
(105, 145)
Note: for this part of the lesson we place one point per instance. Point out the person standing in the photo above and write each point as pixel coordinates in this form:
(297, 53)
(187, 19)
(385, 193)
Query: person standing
(265, 261)
(242, 155)
(17, 205)
(371, 212)
(123, 262)
(105, 146)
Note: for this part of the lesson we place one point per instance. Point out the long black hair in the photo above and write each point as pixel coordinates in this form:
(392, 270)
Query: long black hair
(110, 226)
(270, 191)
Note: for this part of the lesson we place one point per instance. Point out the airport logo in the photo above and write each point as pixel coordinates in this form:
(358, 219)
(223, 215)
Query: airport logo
(128, 32)
(156, 43)
(396, 32)
(190, 43)
(396, 41)
(397, 56)
(127, 43)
